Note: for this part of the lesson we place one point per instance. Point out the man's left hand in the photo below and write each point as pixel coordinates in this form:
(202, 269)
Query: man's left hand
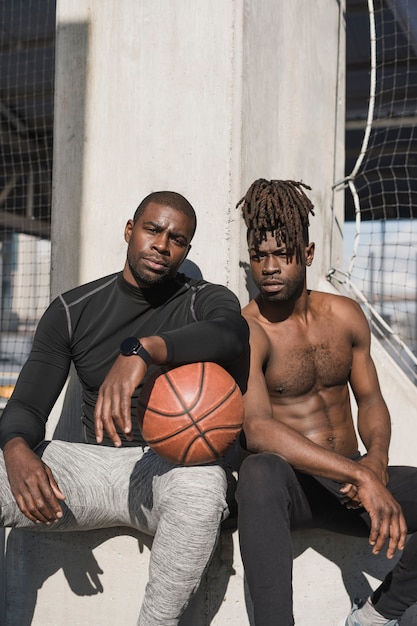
(350, 492)
(378, 466)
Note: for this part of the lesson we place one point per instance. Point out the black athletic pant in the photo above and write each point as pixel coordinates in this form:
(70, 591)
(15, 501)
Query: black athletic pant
(273, 499)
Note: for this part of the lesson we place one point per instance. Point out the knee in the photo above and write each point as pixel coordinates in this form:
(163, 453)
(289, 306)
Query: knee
(259, 468)
(201, 488)
(263, 476)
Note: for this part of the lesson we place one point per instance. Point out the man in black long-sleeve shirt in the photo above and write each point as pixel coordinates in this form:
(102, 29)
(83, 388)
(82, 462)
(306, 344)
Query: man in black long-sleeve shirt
(158, 316)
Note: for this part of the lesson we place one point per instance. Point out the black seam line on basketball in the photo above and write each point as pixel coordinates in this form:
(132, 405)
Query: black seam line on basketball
(208, 444)
(159, 413)
(215, 407)
(187, 449)
(201, 434)
(193, 422)
(179, 398)
(185, 409)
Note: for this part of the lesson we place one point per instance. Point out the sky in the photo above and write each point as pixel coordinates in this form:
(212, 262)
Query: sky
(391, 248)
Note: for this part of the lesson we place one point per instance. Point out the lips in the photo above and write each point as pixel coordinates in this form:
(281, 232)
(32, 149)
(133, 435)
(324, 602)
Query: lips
(156, 264)
(272, 285)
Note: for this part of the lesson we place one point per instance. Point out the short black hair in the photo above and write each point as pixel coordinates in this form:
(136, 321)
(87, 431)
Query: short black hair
(169, 198)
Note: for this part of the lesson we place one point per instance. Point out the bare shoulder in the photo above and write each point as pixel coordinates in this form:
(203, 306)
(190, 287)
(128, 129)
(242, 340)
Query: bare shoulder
(251, 310)
(340, 305)
(342, 309)
(258, 336)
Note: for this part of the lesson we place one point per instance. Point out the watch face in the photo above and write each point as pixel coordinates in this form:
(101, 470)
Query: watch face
(129, 346)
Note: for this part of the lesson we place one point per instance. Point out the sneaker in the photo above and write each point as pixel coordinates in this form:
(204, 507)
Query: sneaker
(354, 620)
(351, 619)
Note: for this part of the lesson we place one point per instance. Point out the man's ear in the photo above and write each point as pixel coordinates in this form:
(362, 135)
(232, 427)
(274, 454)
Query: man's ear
(188, 251)
(310, 252)
(128, 230)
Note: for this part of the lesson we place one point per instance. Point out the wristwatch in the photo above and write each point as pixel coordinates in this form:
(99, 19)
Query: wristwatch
(132, 345)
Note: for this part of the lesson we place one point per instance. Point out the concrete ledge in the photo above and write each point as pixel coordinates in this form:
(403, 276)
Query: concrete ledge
(98, 578)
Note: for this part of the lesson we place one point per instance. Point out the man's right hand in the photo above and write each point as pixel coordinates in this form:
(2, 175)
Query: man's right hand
(32, 483)
(113, 406)
(387, 519)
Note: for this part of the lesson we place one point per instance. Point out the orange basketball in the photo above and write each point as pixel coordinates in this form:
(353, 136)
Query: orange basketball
(190, 414)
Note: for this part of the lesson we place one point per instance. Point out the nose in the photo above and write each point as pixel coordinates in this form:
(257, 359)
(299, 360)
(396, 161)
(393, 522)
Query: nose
(161, 243)
(271, 266)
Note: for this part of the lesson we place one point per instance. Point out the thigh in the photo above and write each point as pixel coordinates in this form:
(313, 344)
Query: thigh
(269, 486)
(403, 486)
(328, 510)
(158, 488)
(84, 474)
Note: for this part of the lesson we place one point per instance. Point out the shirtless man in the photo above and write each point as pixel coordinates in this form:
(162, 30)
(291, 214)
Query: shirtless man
(306, 348)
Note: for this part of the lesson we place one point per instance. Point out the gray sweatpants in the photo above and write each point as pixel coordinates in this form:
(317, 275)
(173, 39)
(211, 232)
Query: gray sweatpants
(182, 507)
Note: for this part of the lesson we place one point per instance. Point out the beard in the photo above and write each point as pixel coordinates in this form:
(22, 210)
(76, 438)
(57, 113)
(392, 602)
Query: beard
(290, 288)
(147, 278)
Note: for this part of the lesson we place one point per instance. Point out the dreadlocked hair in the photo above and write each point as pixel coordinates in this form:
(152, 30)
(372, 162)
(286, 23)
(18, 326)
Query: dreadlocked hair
(280, 207)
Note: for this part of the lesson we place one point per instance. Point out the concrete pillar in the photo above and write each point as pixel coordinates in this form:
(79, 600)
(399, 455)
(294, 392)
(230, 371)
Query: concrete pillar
(196, 96)
(148, 97)
(293, 64)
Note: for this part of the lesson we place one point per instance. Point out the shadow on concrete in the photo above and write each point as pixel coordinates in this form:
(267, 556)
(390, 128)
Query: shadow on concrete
(33, 557)
(352, 555)
(38, 556)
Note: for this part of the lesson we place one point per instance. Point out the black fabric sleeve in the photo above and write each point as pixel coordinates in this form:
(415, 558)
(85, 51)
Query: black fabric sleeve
(41, 379)
(219, 334)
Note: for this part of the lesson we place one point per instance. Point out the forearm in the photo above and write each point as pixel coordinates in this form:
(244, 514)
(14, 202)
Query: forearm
(374, 427)
(21, 424)
(13, 446)
(35, 394)
(201, 341)
(301, 453)
(217, 333)
(220, 340)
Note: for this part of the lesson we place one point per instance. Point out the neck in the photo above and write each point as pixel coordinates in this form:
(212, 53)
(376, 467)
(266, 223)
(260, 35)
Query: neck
(278, 311)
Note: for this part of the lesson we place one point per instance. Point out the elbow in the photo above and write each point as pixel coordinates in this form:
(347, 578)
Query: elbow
(236, 340)
(252, 438)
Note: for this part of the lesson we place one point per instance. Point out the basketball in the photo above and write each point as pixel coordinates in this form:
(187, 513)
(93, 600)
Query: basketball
(190, 414)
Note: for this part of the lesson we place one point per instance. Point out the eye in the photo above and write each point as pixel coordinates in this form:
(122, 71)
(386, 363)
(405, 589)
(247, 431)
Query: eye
(179, 241)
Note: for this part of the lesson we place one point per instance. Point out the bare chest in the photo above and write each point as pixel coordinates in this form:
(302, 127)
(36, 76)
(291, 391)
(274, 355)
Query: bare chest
(302, 363)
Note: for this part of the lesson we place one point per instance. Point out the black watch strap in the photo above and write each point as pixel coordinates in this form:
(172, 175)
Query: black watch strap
(132, 346)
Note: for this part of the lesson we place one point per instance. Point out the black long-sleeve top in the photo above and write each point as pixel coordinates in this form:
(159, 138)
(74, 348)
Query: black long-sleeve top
(199, 321)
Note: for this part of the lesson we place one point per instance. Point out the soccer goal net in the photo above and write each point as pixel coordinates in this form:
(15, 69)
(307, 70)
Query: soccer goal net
(380, 232)
(27, 51)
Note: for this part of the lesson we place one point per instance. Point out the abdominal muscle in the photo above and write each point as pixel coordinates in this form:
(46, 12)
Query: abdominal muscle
(323, 416)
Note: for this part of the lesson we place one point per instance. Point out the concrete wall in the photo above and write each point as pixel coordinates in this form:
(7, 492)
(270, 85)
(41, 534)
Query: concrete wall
(293, 109)
(196, 96)
(202, 97)
(148, 97)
